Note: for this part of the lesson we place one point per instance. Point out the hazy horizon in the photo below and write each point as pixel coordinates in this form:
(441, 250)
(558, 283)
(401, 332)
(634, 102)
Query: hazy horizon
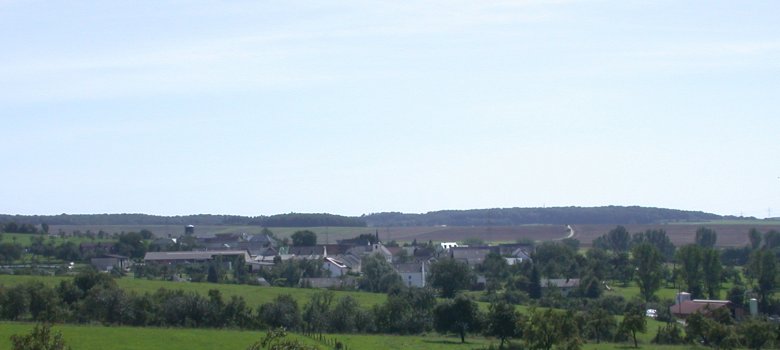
(247, 108)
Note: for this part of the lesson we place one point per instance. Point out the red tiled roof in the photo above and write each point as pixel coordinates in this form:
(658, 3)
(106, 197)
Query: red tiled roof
(689, 307)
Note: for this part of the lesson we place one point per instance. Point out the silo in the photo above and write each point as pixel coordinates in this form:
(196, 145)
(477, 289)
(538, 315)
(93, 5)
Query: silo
(753, 307)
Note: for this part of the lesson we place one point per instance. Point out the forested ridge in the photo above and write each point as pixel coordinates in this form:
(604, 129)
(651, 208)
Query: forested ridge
(471, 217)
(552, 216)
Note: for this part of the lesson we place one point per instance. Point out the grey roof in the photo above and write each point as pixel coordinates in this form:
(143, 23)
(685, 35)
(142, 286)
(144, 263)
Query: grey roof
(560, 282)
(195, 255)
(409, 268)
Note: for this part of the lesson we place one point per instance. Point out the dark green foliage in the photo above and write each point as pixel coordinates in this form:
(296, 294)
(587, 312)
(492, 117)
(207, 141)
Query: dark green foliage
(282, 312)
(304, 238)
(10, 251)
(649, 269)
(658, 239)
(523, 216)
(556, 260)
(634, 321)
(542, 329)
(378, 275)
(756, 333)
(617, 240)
(690, 259)
(535, 284)
(131, 244)
(706, 237)
(669, 334)
(459, 316)
(449, 276)
(755, 238)
(764, 270)
(712, 270)
(502, 321)
(406, 311)
(772, 239)
(275, 340)
(41, 338)
(600, 324)
(316, 313)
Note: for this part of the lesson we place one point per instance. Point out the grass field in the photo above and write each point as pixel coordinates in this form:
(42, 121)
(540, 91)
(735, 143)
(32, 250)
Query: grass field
(93, 337)
(130, 338)
(253, 295)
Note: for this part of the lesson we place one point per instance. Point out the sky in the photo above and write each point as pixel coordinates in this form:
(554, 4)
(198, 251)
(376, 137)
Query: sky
(355, 107)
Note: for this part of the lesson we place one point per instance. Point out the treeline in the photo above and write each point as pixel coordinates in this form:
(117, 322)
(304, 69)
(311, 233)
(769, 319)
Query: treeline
(281, 220)
(552, 216)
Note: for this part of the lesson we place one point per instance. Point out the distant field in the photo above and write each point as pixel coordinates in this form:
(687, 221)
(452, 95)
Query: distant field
(730, 234)
(332, 234)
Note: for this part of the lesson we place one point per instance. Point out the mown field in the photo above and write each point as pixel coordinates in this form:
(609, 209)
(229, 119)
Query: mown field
(91, 337)
(730, 233)
(95, 337)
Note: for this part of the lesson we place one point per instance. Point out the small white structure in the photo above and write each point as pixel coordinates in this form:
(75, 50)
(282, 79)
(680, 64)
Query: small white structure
(448, 245)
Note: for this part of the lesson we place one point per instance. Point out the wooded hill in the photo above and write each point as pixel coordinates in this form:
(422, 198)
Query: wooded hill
(473, 217)
(552, 216)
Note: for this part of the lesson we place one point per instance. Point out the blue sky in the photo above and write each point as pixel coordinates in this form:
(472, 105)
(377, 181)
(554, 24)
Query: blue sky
(258, 108)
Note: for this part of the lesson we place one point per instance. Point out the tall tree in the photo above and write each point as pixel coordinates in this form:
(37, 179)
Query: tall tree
(657, 238)
(755, 238)
(690, 259)
(648, 264)
(706, 237)
(541, 330)
(304, 238)
(501, 321)
(316, 312)
(617, 240)
(449, 276)
(535, 284)
(763, 268)
(459, 315)
(713, 270)
(600, 323)
(634, 321)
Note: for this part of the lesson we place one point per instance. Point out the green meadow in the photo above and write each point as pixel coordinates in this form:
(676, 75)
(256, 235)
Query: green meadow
(95, 337)
(254, 295)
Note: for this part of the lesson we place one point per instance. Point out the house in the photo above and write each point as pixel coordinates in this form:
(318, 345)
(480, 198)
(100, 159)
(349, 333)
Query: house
(564, 285)
(96, 249)
(195, 256)
(412, 274)
(108, 262)
(706, 307)
(334, 267)
(471, 255)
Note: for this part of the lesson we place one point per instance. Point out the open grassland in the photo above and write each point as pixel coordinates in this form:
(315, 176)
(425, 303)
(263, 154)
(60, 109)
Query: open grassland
(253, 295)
(730, 233)
(132, 338)
(89, 337)
(25, 239)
